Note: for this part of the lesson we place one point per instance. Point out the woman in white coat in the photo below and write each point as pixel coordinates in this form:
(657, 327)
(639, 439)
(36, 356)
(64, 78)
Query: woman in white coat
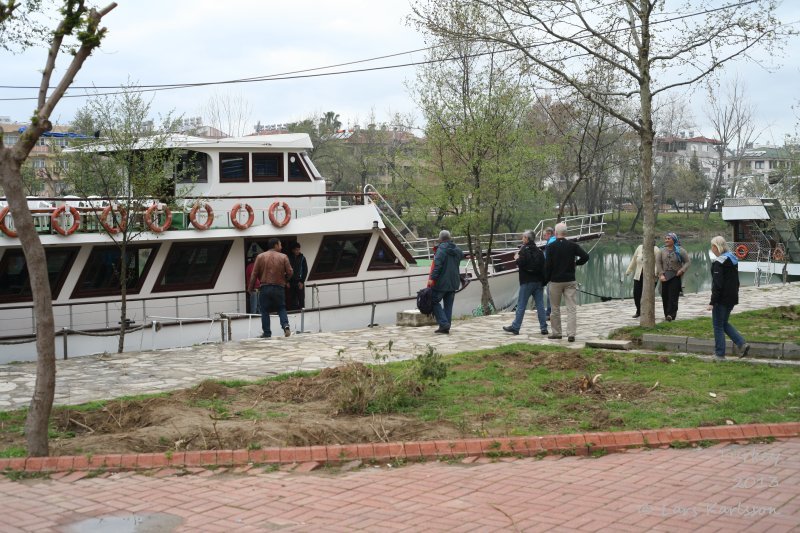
(635, 268)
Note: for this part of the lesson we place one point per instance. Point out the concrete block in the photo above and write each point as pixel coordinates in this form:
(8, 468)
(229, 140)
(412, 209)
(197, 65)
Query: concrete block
(771, 350)
(606, 344)
(791, 351)
(706, 346)
(413, 318)
(672, 343)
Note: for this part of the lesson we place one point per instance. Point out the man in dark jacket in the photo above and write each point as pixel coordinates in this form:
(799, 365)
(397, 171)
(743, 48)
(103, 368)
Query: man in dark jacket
(724, 296)
(297, 283)
(562, 258)
(530, 261)
(445, 280)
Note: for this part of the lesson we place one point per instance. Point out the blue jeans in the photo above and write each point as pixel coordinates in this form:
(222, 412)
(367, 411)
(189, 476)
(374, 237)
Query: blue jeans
(525, 291)
(443, 307)
(271, 297)
(719, 318)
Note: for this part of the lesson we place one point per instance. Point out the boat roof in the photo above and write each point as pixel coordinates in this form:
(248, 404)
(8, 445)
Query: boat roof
(283, 141)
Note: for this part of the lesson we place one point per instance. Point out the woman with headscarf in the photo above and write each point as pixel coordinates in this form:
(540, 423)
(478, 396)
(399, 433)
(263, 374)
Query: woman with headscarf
(672, 264)
(724, 295)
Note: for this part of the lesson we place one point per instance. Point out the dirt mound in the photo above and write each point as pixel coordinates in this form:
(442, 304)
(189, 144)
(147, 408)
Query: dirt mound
(115, 416)
(595, 387)
(209, 390)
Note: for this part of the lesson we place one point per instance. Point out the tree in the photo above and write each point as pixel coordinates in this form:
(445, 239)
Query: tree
(689, 186)
(128, 178)
(649, 50)
(228, 113)
(474, 106)
(734, 127)
(79, 31)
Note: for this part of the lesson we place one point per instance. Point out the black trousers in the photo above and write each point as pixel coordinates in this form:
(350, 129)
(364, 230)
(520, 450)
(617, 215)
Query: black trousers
(670, 292)
(638, 284)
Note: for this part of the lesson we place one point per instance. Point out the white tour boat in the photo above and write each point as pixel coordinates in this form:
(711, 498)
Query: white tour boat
(188, 264)
(765, 236)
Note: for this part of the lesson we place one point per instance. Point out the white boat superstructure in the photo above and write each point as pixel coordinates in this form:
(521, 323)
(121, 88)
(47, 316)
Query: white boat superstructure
(186, 263)
(766, 236)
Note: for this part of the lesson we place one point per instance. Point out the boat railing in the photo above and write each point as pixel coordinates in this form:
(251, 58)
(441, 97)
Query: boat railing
(90, 210)
(742, 202)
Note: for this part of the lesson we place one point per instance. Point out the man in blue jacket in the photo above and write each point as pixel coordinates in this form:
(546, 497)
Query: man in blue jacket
(445, 280)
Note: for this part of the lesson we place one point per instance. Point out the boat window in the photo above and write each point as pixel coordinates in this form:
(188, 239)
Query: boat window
(339, 256)
(311, 167)
(297, 169)
(191, 266)
(268, 167)
(14, 280)
(234, 167)
(191, 167)
(383, 258)
(101, 275)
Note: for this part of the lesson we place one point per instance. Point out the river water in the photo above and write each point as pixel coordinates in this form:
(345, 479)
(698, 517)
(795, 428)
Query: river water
(609, 259)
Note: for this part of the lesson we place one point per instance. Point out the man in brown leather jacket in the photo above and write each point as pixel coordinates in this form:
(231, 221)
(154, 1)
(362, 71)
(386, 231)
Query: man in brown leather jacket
(272, 269)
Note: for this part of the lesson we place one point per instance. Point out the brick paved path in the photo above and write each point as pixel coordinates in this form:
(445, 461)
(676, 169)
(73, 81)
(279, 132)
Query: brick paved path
(722, 488)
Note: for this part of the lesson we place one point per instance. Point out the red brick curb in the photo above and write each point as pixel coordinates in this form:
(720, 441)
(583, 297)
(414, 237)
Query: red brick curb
(573, 444)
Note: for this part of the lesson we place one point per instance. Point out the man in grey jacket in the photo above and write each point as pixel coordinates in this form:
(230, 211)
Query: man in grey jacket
(445, 280)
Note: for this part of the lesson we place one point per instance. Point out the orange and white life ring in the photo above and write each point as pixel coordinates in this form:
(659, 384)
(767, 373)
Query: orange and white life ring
(152, 224)
(123, 220)
(5, 229)
(287, 214)
(209, 217)
(76, 219)
(778, 254)
(741, 251)
(251, 216)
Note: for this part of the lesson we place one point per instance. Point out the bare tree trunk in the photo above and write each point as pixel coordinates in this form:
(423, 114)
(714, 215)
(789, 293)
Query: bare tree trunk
(44, 389)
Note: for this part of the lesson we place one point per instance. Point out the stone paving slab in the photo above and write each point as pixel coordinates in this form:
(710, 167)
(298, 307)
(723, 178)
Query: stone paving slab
(84, 379)
(730, 487)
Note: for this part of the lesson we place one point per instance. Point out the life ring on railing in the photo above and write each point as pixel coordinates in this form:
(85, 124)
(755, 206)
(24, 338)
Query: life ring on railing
(123, 220)
(741, 251)
(150, 223)
(209, 217)
(76, 220)
(9, 232)
(286, 218)
(251, 216)
(778, 254)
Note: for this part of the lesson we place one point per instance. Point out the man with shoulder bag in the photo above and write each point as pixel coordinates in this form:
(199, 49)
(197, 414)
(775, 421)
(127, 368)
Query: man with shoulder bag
(530, 260)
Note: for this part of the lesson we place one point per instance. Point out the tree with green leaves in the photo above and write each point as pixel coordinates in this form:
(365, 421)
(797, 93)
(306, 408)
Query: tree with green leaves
(78, 31)
(474, 104)
(650, 47)
(121, 174)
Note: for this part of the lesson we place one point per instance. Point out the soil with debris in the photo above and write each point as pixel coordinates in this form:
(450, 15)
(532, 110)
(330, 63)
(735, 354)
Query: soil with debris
(302, 411)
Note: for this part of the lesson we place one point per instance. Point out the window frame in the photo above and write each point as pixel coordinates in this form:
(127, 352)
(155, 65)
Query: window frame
(313, 275)
(241, 179)
(397, 264)
(174, 250)
(203, 164)
(265, 155)
(79, 292)
(307, 176)
(55, 288)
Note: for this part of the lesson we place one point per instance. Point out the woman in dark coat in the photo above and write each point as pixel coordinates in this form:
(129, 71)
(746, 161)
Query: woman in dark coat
(724, 296)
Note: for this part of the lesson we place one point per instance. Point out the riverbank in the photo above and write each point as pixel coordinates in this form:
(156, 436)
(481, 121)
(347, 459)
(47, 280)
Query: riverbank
(691, 225)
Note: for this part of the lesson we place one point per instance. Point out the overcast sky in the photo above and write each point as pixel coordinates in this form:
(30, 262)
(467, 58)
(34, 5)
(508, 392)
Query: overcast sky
(180, 41)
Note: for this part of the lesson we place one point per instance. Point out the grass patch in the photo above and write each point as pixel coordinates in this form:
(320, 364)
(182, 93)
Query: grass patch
(13, 451)
(776, 324)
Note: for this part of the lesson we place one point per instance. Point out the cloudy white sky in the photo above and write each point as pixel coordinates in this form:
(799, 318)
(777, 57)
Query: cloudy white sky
(179, 41)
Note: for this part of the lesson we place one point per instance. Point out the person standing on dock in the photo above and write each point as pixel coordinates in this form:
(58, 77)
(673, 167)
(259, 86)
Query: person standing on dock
(562, 258)
(724, 296)
(637, 269)
(272, 268)
(672, 263)
(445, 280)
(530, 261)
